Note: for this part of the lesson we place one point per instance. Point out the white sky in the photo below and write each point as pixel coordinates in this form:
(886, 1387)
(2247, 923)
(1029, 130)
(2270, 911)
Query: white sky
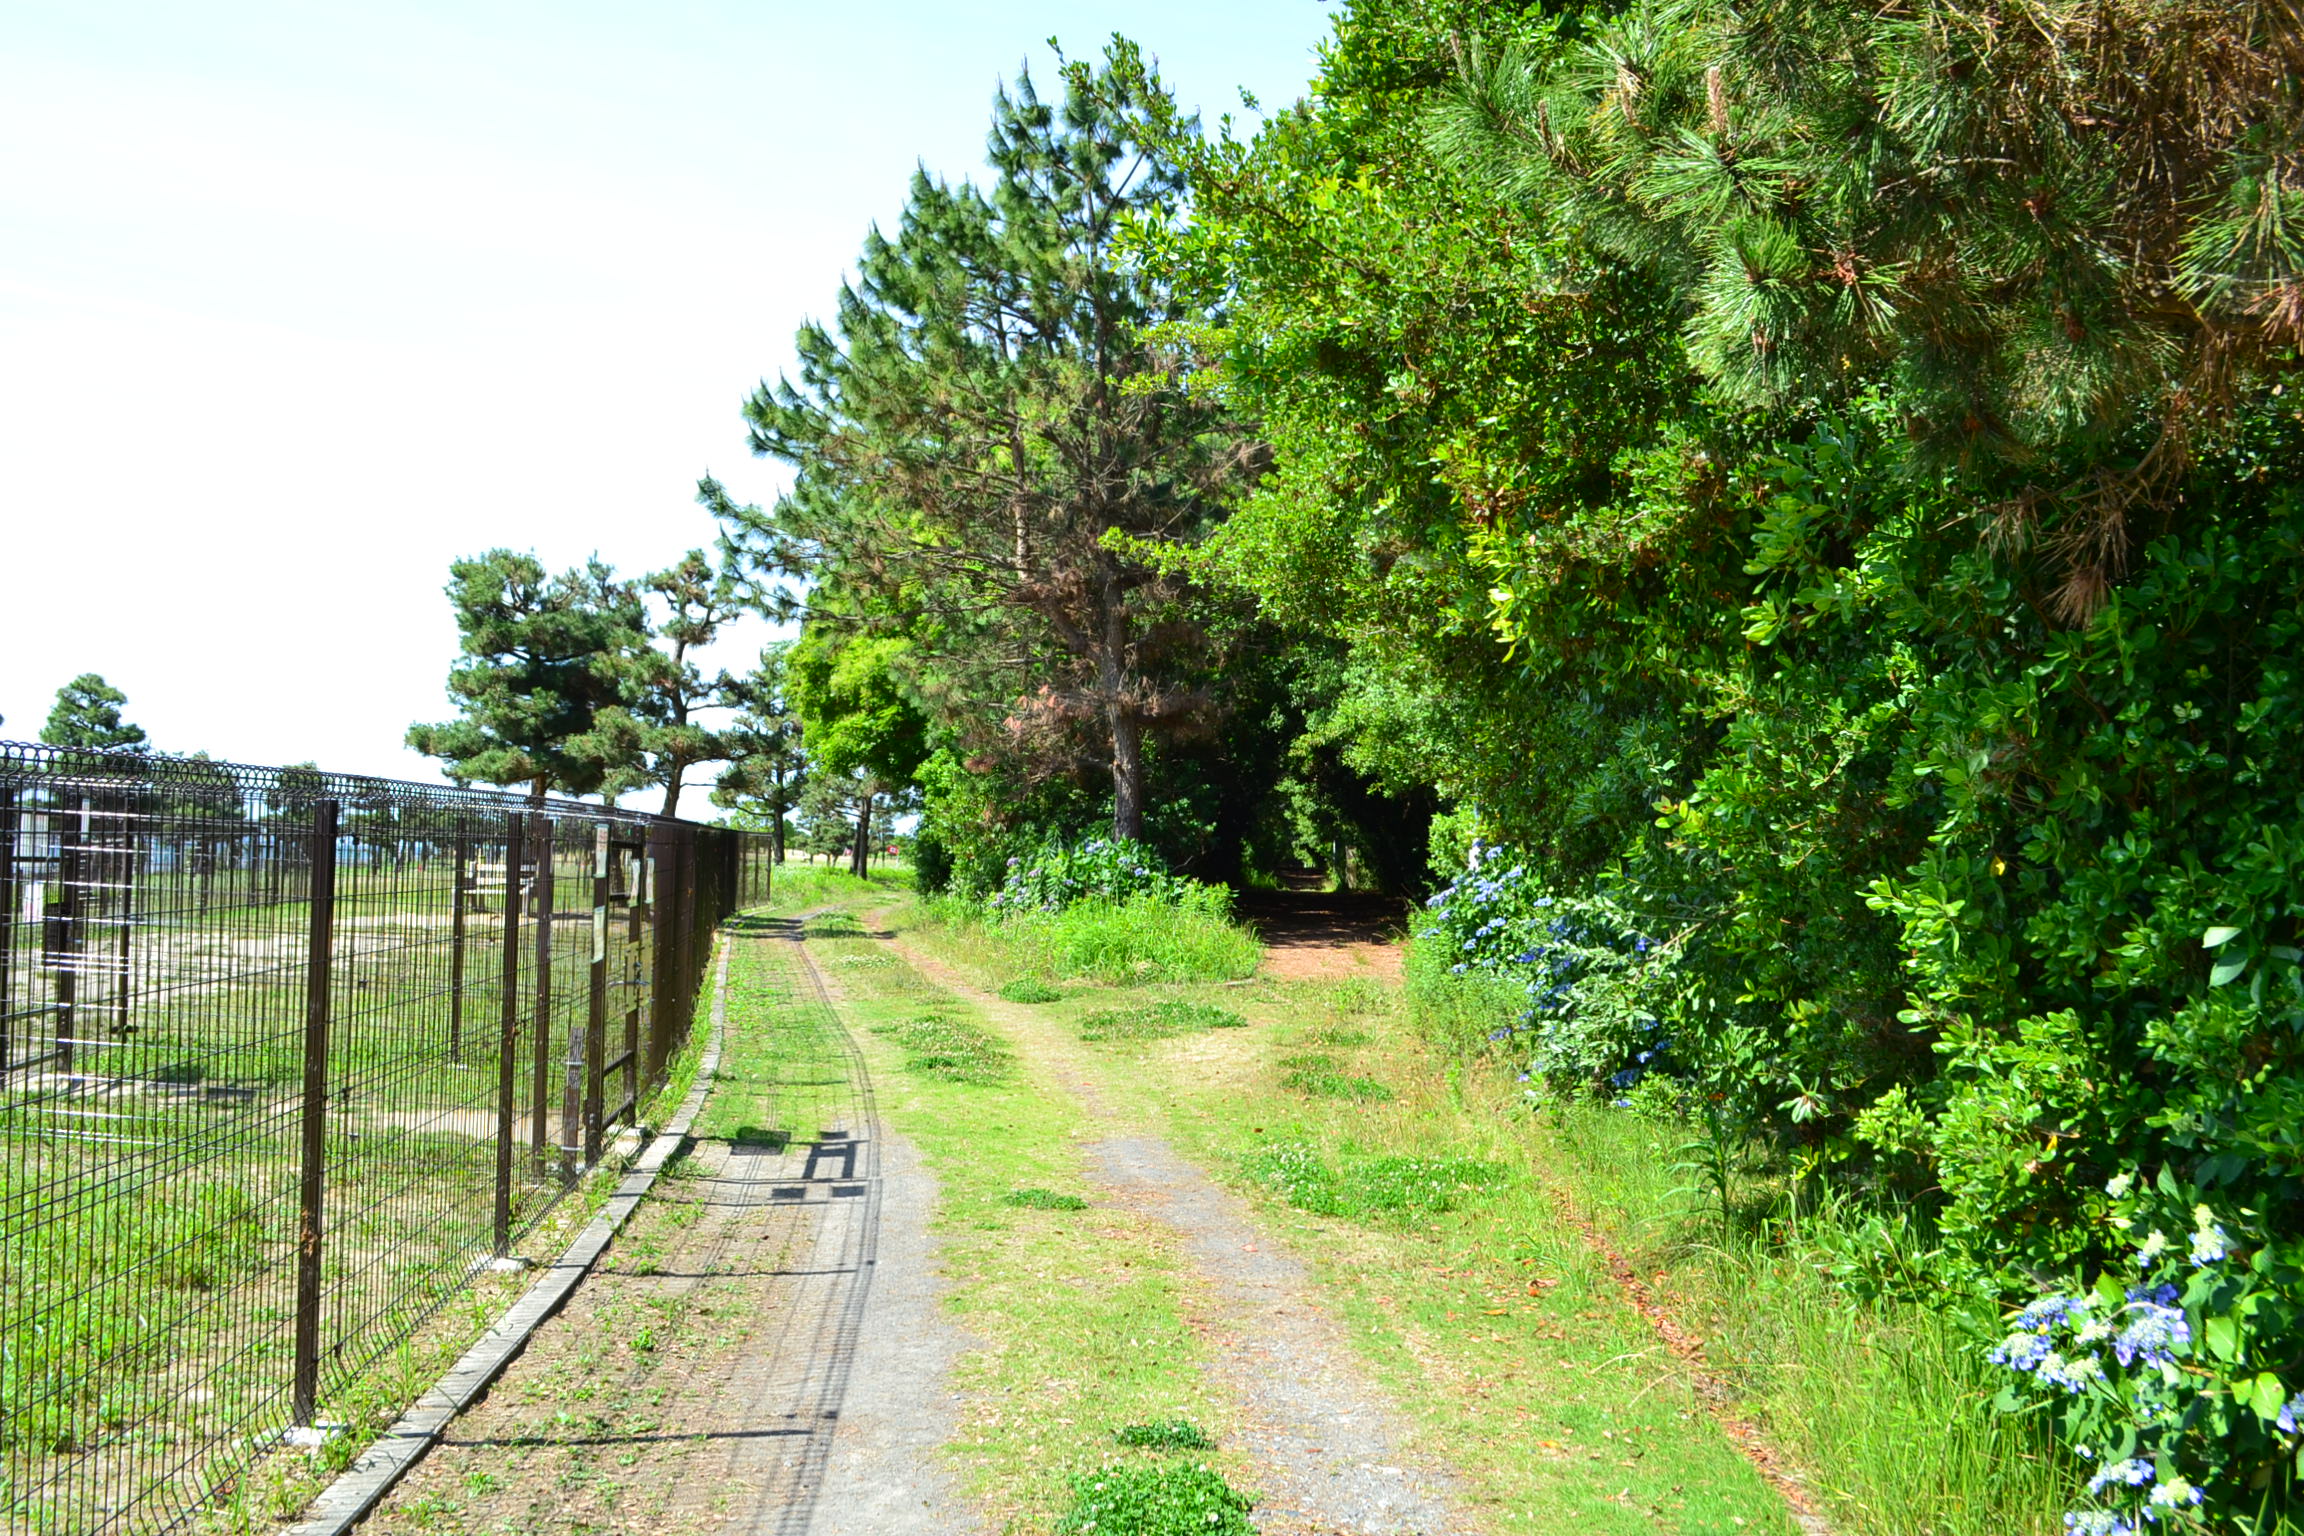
(299, 301)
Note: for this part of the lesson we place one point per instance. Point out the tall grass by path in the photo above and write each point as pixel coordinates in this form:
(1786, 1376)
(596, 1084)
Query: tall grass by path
(1119, 943)
(1883, 1402)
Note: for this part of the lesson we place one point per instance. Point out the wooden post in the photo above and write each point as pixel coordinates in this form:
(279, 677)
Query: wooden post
(508, 1032)
(635, 976)
(319, 966)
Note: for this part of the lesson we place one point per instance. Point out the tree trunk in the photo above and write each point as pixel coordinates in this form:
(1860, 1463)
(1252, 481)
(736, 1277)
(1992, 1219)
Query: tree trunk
(536, 788)
(1127, 773)
(857, 866)
(672, 788)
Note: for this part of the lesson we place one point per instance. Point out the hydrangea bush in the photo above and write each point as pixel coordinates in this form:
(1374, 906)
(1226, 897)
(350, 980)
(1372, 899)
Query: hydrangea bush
(2175, 1375)
(1589, 978)
(1100, 869)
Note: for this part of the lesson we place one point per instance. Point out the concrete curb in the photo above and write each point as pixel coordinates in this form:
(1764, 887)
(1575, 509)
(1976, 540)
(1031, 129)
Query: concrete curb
(358, 1489)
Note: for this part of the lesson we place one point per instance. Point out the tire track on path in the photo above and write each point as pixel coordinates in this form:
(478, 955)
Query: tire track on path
(721, 1371)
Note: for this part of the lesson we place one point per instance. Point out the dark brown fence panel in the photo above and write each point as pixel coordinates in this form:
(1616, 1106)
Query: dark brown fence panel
(269, 1042)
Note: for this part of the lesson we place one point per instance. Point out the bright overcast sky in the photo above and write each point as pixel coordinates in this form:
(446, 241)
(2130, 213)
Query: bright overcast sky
(300, 301)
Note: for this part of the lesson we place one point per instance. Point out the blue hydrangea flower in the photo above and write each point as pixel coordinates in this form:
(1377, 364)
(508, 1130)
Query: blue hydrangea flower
(2154, 1332)
(2134, 1472)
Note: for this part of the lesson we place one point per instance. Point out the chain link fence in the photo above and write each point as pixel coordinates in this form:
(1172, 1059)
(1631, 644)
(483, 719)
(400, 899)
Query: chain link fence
(285, 1058)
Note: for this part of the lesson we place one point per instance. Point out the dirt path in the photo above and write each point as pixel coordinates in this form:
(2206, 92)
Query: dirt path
(1326, 934)
(1332, 1454)
(763, 1350)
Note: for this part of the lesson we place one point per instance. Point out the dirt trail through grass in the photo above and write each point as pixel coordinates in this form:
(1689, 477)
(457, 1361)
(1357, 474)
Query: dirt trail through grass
(1330, 1452)
(762, 1351)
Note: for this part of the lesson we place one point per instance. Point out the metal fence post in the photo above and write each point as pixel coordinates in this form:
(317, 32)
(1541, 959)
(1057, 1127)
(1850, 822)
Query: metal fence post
(319, 965)
(7, 916)
(508, 1032)
(540, 1128)
(458, 893)
(596, 1013)
(635, 974)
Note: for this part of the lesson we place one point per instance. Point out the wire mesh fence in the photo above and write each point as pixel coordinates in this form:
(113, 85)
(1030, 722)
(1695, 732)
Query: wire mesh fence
(285, 1058)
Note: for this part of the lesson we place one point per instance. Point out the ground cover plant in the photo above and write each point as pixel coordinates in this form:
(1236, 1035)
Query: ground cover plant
(1318, 1076)
(1030, 989)
(1156, 1021)
(1163, 1499)
(1038, 1199)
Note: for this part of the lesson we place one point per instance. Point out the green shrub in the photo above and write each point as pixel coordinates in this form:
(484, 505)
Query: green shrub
(1156, 1021)
(1043, 1200)
(1143, 939)
(1170, 1499)
(1167, 1435)
(1029, 989)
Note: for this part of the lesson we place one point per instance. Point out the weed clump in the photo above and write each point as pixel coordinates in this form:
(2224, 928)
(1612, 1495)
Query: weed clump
(1030, 989)
(1166, 1499)
(950, 1048)
(1166, 1435)
(1156, 1021)
(1342, 1039)
(1318, 1077)
(1043, 1200)
(1368, 1189)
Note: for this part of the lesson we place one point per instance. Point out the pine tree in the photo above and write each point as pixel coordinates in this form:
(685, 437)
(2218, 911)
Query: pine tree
(2062, 239)
(659, 735)
(544, 658)
(767, 764)
(993, 456)
(87, 715)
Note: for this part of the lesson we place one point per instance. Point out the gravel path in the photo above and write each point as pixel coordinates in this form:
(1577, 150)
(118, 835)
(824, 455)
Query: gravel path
(1332, 1454)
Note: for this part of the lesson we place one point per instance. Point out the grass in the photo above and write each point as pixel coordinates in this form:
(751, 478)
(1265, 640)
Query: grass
(1037, 1199)
(1126, 943)
(1390, 1188)
(1079, 1323)
(1156, 1021)
(1318, 1076)
(948, 1045)
(1167, 1435)
(1886, 1403)
(1030, 989)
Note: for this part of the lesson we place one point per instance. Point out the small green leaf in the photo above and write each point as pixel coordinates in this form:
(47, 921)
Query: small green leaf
(2226, 970)
(2270, 1396)
(2217, 937)
(2223, 1338)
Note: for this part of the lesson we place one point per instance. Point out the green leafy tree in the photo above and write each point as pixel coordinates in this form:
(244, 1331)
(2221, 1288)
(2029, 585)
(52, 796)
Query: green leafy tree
(87, 714)
(994, 457)
(544, 659)
(862, 730)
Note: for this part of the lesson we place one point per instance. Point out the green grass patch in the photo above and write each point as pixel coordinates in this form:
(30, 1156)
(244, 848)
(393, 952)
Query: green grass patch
(1368, 1189)
(1166, 1435)
(945, 1045)
(1171, 1499)
(1030, 989)
(1037, 1199)
(1120, 943)
(1156, 1021)
(1319, 1077)
(1339, 1038)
